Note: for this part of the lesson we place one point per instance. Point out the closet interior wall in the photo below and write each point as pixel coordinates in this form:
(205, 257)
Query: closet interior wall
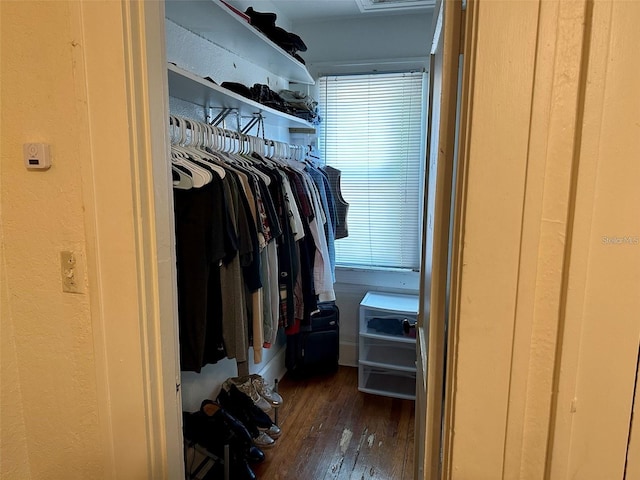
(201, 57)
(353, 45)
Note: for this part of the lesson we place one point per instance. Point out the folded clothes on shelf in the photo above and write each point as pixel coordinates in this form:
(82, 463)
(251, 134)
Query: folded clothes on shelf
(387, 325)
(263, 94)
(298, 99)
(238, 88)
(266, 23)
(301, 105)
(259, 93)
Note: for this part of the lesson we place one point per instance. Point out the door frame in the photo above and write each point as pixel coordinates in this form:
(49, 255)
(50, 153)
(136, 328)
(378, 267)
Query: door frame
(441, 233)
(130, 245)
(519, 426)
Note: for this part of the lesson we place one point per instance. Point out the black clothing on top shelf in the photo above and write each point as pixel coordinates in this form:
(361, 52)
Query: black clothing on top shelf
(259, 93)
(266, 23)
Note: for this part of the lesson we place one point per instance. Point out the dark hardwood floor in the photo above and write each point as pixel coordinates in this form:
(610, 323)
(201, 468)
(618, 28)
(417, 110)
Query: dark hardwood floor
(330, 430)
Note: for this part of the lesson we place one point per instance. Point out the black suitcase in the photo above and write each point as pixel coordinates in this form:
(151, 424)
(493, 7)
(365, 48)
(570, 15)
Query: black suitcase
(316, 351)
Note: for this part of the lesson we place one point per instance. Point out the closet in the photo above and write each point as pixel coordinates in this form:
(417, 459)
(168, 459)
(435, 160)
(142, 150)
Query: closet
(208, 44)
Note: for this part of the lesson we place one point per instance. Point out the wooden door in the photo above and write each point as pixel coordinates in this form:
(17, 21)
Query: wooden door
(441, 134)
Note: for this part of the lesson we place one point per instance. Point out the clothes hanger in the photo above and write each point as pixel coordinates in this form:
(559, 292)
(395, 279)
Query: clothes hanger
(199, 131)
(213, 141)
(193, 156)
(250, 160)
(184, 180)
(200, 175)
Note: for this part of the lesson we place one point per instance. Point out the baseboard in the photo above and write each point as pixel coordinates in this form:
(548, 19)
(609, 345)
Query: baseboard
(275, 368)
(348, 354)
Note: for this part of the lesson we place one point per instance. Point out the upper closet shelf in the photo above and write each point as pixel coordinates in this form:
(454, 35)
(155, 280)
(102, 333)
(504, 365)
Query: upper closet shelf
(191, 88)
(214, 21)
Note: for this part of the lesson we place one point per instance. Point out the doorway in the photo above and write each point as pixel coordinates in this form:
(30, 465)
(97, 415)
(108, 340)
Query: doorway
(354, 289)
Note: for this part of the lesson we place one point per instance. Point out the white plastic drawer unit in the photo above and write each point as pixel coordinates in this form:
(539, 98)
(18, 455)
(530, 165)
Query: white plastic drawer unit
(391, 383)
(388, 354)
(387, 345)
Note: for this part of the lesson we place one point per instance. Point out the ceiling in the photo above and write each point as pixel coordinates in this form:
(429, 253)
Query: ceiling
(300, 11)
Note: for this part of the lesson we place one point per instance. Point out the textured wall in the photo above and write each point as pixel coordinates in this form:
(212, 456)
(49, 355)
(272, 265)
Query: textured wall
(14, 462)
(47, 344)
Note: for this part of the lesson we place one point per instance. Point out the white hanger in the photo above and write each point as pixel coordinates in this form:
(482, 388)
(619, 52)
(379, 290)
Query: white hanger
(185, 180)
(200, 175)
(200, 130)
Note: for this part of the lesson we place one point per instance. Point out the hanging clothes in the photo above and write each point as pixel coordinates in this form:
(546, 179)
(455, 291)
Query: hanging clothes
(253, 236)
(322, 184)
(198, 213)
(342, 207)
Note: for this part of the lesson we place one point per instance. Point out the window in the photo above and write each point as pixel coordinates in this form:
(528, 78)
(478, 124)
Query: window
(372, 131)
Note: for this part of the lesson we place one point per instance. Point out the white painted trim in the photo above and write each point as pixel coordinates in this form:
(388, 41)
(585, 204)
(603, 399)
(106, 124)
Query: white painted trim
(393, 6)
(373, 65)
(379, 278)
(156, 244)
(275, 368)
(121, 76)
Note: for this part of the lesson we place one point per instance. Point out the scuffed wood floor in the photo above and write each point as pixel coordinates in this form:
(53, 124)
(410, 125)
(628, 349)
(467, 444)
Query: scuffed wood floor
(330, 430)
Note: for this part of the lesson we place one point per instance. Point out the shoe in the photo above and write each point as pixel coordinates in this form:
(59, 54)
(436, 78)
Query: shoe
(263, 441)
(235, 425)
(254, 455)
(265, 391)
(236, 401)
(245, 385)
(273, 431)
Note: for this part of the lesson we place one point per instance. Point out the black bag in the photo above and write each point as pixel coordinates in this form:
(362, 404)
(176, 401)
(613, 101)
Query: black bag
(316, 351)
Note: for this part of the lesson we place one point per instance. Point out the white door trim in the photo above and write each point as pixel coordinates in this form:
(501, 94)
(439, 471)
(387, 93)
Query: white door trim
(130, 251)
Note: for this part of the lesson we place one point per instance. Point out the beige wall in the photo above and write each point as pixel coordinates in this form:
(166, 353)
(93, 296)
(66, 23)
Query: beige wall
(88, 380)
(50, 425)
(539, 196)
(543, 305)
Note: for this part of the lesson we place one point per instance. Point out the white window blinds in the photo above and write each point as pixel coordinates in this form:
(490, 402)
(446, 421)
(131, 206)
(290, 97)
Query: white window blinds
(372, 130)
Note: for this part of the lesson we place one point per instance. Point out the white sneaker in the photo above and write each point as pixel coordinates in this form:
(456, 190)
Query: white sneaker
(245, 385)
(273, 431)
(263, 441)
(265, 391)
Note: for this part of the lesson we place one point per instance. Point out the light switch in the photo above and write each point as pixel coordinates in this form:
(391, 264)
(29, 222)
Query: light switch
(36, 156)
